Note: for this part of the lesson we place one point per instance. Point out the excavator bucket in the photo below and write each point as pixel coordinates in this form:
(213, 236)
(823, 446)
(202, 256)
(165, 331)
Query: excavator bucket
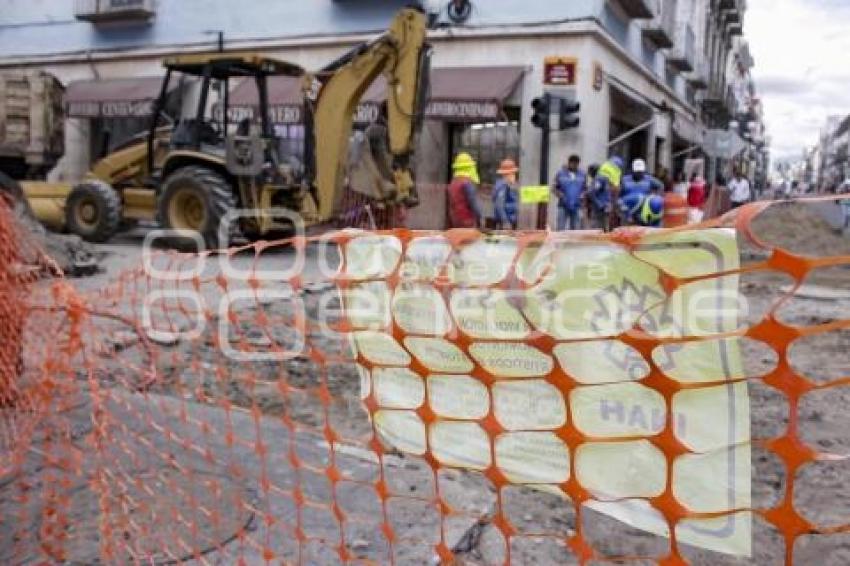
(364, 175)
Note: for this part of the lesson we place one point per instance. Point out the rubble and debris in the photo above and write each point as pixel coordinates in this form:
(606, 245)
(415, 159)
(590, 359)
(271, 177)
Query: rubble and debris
(70, 254)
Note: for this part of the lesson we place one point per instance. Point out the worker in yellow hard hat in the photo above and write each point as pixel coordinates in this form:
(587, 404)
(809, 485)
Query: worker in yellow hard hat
(464, 211)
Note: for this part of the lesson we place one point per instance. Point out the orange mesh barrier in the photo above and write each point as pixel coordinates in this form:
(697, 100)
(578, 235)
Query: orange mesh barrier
(401, 397)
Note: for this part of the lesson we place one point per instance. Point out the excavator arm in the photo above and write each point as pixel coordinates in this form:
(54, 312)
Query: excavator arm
(332, 96)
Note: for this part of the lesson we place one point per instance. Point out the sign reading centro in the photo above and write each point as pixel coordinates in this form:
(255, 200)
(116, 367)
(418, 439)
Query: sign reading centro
(465, 348)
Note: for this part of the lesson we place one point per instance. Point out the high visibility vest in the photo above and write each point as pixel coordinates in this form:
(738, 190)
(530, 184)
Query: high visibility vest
(647, 216)
(611, 172)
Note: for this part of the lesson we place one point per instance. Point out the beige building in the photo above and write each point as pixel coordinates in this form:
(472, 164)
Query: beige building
(636, 66)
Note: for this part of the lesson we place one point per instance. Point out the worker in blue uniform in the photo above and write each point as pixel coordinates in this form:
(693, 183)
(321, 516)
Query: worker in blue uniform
(642, 209)
(639, 181)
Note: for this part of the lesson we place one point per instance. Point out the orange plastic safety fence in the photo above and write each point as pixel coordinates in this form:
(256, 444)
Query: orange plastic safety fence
(254, 405)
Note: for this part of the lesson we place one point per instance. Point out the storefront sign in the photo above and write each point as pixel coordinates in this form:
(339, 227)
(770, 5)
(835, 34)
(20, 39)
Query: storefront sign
(285, 114)
(367, 113)
(110, 109)
(560, 71)
(463, 111)
(291, 114)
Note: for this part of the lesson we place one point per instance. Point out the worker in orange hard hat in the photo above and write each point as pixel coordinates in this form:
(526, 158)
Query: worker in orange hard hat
(504, 196)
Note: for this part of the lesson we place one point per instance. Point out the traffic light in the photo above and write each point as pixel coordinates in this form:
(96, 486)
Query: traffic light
(541, 105)
(568, 114)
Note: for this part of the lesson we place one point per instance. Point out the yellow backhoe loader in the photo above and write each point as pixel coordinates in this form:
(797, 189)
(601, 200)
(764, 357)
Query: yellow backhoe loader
(188, 175)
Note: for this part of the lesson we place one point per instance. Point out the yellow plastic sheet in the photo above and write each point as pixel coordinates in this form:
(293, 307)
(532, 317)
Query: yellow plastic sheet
(583, 295)
(534, 194)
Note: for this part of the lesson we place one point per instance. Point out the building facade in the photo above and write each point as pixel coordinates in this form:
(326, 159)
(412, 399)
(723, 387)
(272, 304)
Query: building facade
(834, 149)
(651, 75)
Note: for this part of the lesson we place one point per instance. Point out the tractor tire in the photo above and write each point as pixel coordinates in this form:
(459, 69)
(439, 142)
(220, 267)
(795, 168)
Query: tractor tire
(93, 211)
(195, 198)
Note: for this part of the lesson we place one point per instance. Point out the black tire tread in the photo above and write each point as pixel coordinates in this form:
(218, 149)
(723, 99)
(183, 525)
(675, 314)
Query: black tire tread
(221, 199)
(110, 206)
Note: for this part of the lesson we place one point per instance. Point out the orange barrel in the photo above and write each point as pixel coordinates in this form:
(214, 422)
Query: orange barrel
(675, 210)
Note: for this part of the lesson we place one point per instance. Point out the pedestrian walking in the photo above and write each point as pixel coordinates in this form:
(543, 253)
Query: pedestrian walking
(504, 196)
(569, 186)
(599, 198)
(696, 199)
(464, 211)
(739, 189)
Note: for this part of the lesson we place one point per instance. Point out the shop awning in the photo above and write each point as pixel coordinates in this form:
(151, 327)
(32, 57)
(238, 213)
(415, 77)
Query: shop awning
(687, 129)
(286, 100)
(113, 98)
(463, 94)
(471, 94)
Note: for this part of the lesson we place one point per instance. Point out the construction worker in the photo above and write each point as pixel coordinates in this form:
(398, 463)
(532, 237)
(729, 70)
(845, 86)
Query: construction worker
(464, 211)
(612, 171)
(639, 181)
(599, 197)
(504, 196)
(570, 184)
(642, 209)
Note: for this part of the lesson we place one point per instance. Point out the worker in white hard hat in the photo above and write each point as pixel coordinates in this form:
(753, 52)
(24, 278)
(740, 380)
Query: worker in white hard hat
(637, 189)
(639, 181)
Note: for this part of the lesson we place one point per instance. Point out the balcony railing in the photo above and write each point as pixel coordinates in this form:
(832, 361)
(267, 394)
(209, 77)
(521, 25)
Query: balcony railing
(719, 105)
(735, 28)
(636, 9)
(661, 29)
(683, 54)
(98, 11)
(734, 11)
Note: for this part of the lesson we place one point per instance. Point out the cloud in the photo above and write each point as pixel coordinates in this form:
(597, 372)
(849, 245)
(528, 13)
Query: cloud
(782, 85)
(801, 71)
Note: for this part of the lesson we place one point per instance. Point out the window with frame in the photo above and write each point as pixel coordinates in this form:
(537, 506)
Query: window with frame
(290, 138)
(488, 143)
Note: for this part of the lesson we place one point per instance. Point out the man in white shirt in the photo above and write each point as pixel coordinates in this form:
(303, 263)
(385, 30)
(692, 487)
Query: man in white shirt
(739, 187)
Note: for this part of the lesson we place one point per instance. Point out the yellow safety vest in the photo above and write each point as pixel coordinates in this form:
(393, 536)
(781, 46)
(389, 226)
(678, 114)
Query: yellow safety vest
(611, 172)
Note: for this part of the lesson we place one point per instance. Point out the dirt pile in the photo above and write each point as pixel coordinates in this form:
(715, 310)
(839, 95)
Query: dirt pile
(800, 228)
(69, 253)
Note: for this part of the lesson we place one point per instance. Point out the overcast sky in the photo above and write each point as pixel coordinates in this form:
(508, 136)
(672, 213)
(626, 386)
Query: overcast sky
(802, 67)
